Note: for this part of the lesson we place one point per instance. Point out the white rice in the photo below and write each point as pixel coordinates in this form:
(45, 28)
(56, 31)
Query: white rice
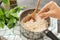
(38, 26)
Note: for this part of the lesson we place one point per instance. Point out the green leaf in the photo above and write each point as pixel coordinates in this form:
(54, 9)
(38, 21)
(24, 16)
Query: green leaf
(12, 11)
(1, 12)
(17, 9)
(2, 23)
(7, 2)
(11, 23)
(2, 17)
(7, 14)
(14, 15)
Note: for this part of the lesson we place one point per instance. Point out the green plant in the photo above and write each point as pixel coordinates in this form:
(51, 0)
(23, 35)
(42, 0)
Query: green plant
(9, 17)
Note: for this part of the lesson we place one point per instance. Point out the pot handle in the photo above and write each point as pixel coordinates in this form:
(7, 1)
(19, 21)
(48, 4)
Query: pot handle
(50, 35)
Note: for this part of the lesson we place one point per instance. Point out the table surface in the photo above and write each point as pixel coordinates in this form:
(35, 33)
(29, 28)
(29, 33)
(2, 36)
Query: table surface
(32, 4)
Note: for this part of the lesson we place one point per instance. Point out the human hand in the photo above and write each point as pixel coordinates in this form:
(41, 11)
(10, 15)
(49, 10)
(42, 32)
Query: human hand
(51, 9)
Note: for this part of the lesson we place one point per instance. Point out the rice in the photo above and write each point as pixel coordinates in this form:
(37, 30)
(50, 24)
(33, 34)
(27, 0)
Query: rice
(38, 26)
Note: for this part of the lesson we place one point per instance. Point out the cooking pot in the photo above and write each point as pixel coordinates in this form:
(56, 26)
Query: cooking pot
(35, 35)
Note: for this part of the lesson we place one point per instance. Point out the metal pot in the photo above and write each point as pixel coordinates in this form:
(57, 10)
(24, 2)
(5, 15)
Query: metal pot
(35, 35)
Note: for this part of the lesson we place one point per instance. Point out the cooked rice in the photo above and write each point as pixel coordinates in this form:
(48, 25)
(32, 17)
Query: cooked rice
(38, 26)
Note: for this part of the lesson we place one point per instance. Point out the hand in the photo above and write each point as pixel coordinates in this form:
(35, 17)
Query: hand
(50, 10)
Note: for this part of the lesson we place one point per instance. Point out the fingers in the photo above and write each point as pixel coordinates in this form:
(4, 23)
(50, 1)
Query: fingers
(46, 14)
(49, 6)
